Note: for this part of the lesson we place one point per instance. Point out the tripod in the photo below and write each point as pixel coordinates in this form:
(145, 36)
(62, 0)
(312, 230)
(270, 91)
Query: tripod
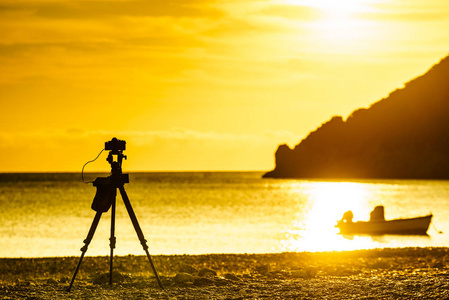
(106, 198)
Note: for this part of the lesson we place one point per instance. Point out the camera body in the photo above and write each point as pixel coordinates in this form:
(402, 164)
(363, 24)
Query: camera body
(115, 145)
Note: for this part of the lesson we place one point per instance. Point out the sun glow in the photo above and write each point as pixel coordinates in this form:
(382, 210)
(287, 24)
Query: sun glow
(340, 26)
(329, 200)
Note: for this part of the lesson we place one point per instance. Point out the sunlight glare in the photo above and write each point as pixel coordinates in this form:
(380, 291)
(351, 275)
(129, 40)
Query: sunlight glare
(329, 200)
(341, 27)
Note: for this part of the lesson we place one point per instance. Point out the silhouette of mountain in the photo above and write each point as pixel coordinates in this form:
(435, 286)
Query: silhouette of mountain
(405, 135)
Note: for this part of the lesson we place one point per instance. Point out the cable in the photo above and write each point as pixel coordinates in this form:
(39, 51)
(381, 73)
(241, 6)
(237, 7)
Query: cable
(82, 171)
(434, 227)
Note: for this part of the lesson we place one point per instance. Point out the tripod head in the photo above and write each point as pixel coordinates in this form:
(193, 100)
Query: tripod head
(115, 147)
(107, 186)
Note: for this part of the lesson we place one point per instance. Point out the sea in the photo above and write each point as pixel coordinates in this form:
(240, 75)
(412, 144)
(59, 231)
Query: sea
(49, 214)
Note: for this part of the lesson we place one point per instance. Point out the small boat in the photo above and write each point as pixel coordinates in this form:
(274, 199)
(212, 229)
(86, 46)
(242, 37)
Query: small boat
(411, 226)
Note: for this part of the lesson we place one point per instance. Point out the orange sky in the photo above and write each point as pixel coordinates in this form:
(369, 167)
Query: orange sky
(198, 85)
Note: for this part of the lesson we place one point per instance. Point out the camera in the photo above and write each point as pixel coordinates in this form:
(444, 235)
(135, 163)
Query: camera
(115, 145)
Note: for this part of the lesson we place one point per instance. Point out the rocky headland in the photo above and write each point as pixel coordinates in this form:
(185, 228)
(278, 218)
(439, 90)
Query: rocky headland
(403, 136)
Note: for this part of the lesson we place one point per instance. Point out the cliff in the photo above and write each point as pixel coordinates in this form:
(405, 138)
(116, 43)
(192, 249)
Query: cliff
(405, 135)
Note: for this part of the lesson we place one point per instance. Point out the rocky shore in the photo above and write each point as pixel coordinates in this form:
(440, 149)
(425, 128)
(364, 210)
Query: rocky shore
(365, 274)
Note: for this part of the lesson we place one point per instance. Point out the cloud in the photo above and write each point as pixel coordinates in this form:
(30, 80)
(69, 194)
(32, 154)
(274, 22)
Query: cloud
(177, 149)
(111, 9)
(408, 11)
(93, 26)
(296, 12)
(413, 16)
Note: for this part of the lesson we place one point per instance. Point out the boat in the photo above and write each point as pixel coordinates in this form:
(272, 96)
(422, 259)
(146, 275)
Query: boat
(410, 226)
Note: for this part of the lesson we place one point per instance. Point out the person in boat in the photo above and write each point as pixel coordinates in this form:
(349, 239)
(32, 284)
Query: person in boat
(378, 214)
(347, 217)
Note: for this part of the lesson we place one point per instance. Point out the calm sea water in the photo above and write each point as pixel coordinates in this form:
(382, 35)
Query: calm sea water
(45, 215)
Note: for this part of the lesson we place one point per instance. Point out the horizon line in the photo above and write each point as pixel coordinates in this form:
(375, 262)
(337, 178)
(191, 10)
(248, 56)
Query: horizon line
(134, 171)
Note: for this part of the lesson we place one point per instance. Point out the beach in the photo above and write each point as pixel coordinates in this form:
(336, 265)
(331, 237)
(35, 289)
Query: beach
(394, 273)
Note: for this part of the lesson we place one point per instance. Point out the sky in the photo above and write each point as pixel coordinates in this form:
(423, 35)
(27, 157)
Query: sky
(197, 85)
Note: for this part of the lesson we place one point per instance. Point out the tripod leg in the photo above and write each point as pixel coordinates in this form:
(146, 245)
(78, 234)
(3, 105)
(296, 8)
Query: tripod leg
(89, 237)
(139, 232)
(112, 241)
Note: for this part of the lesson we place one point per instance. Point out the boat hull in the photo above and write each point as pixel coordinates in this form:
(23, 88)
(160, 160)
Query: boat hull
(412, 226)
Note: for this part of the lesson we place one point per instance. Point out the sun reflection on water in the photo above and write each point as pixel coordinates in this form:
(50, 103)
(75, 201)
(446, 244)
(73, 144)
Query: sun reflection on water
(315, 229)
